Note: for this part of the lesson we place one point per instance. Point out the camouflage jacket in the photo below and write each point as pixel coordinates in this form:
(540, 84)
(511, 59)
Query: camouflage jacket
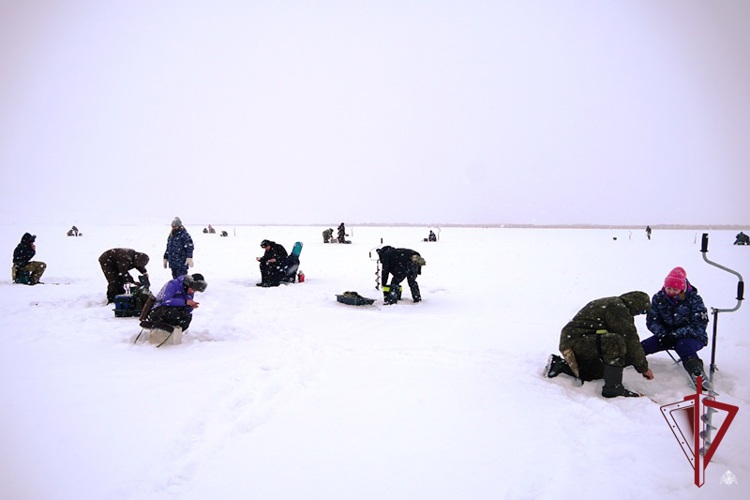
(614, 315)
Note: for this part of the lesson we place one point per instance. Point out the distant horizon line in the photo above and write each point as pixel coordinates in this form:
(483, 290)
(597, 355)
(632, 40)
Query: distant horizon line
(436, 225)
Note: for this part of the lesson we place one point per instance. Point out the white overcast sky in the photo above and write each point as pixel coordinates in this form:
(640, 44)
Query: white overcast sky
(382, 111)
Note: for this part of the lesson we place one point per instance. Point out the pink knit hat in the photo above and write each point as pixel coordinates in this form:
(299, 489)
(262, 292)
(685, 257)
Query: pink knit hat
(676, 279)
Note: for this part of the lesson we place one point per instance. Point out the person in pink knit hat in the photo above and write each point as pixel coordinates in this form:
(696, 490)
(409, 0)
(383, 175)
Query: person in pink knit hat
(678, 320)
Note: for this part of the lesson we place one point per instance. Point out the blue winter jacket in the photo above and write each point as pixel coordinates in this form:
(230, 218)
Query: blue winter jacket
(179, 248)
(672, 319)
(173, 294)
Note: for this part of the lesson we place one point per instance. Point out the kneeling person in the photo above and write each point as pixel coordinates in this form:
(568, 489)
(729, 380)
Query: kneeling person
(601, 340)
(174, 304)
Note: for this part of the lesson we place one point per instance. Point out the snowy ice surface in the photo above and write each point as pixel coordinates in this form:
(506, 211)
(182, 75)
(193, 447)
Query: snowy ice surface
(284, 393)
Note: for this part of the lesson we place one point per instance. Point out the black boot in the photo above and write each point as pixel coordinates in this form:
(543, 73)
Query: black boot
(390, 295)
(613, 383)
(694, 367)
(557, 365)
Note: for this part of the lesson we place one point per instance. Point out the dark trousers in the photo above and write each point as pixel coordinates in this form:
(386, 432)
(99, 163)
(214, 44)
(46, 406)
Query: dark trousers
(178, 271)
(115, 280)
(685, 348)
(172, 315)
(270, 273)
(411, 279)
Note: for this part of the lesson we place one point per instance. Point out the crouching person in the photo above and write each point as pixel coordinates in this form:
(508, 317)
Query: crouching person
(174, 304)
(25, 270)
(601, 340)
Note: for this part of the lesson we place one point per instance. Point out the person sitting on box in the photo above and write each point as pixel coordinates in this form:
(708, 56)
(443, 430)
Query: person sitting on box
(174, 303)
(26, 271)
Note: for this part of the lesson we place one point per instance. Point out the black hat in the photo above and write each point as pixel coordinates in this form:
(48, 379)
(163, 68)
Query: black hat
(265, 243)
(196, 281)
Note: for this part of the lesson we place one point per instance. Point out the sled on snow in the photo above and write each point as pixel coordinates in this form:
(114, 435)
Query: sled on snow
(354, 299)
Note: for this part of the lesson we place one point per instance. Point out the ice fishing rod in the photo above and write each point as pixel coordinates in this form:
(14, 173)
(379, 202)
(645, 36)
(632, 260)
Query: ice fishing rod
(716, 311)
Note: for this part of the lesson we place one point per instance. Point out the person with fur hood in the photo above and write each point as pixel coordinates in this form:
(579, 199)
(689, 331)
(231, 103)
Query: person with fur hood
(601, 340)
(678, 320)
(179, 253)
(116, 264)
(22, 263)
(175, 302)
(401, 263)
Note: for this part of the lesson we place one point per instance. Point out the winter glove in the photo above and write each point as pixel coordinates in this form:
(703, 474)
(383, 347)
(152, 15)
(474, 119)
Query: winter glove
(166, 262)
(189, 262)
(667, 340)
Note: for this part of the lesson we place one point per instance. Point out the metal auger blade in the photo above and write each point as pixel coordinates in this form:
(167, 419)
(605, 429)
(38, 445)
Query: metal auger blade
(707, 420)
(707, 434)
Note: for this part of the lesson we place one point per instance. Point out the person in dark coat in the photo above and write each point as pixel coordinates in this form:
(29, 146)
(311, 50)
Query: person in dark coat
(179, 253)
(402, 263)
(174, 303)
(327, 235)
(648, 232)
(22, 263)
(342, 233)
(601, 340)
(678, 320)
(742, 239)
(271, 263)
(116, 264)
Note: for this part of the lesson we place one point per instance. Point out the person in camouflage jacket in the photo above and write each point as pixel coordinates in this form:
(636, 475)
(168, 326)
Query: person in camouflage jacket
(601, 340)
(116, 264)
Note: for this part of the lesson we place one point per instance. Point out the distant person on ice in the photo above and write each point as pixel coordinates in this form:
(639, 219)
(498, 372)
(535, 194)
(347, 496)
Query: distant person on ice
(601, 340)
(342, 233)
(116, 264)
(648, 232)
(402, 263)
(742, 239)
(22, 263)
(174, 304)
(271, 263)
(678, 320)
(328, 235)
(179, 253)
